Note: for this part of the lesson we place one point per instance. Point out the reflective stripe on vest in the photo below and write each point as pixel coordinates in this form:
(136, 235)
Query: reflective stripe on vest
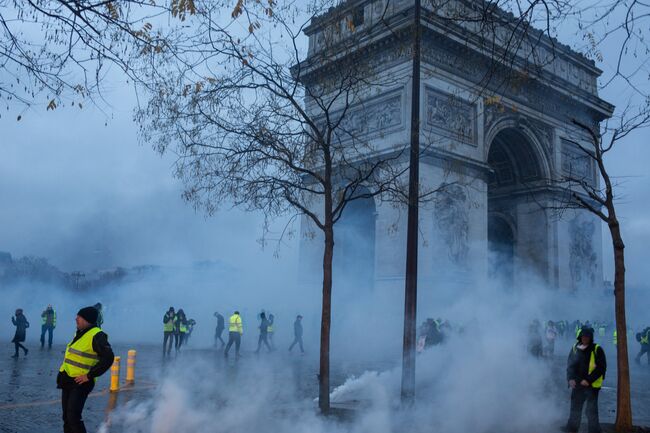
(44, 317)
(169, 326)
(592, 366)
(269, 328)
(646, 339)
(235, 324)
(80, 356)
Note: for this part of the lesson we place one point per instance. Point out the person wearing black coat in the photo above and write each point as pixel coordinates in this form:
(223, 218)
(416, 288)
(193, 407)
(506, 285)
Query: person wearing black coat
(586, 368)
(297, 334)
(76, 387)
(21, 324)
(644, 339)
(264, 333)
(221, 325)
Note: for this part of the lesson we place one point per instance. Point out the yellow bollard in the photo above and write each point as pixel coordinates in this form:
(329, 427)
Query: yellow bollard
(115, 375)
(130, 367)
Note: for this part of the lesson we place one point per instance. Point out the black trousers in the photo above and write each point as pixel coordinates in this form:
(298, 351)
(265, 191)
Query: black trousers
(233, 337)
(169, 337)
(580, 395)
(217, 337)
(645, 349)
(263, 339)
(50, 330)
(297, 340)
(178, 340)
(73, 399)
(18, 345)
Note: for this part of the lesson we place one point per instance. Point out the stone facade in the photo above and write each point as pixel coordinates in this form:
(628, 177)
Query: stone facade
(495, 149)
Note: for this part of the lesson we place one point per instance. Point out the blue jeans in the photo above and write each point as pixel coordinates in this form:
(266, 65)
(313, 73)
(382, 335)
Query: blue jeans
(50, 330)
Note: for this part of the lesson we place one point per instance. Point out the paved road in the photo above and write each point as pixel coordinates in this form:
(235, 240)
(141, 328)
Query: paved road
(29, 398)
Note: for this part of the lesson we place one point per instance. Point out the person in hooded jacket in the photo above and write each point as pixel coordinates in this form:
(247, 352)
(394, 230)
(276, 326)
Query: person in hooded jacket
(169, 323)
(21, 324)
(644, 339)
(586, 368)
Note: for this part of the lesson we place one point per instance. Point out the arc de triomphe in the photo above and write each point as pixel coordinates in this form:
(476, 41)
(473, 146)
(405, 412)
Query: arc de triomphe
(500, 147)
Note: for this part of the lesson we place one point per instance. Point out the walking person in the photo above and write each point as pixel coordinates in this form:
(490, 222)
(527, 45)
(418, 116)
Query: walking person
(87, 356)
(586, 368)
(643, 338)
(297, 334)
(48, 317)
(191, 323)
(21, 324)
(169, 320)
(181, 329)
(535, 339)
(270, 332)
(235, 331)
(219, 331)
(551, 335)
(264, 332)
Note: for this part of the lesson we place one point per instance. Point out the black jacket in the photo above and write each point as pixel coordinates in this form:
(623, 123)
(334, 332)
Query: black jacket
(578, 364)
(297, 328)
(220, 322)
(104, 351)
(21, 323)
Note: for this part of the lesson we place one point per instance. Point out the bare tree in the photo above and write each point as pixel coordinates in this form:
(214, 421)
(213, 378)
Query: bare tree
(585, 192)
(54, 52)
(254, 127)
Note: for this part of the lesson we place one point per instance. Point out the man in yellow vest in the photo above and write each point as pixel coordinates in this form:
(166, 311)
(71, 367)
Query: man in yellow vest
(644, 340)
(235, 331)
(88, 356)
(169, 321)
(48, 317)
(586, 369)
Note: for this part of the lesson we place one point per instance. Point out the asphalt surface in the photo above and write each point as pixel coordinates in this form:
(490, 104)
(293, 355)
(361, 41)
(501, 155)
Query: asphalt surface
(29, 400)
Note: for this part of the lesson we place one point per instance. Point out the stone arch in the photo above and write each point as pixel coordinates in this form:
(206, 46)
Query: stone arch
(518, 162)
(530, 136)
(355, 244)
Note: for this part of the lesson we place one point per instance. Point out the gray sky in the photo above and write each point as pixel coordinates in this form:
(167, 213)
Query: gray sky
(86, 196)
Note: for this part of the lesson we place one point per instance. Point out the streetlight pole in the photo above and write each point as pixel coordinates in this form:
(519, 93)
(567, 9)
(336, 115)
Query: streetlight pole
(411, 283)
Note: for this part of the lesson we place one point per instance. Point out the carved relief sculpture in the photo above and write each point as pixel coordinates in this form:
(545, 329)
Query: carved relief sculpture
(452, 218)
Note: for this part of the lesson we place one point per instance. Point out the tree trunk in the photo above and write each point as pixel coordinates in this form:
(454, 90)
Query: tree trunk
(623, 402)
(326, 319)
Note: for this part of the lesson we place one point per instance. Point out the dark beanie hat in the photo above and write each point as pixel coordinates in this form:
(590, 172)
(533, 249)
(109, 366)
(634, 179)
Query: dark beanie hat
(587, 332)
(90, 314)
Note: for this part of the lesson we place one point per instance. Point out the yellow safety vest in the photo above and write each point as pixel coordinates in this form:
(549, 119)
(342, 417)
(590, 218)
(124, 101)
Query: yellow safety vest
(269, 328)
(646, 338)
(592, 366)
(235, 324)
(169, 326)
(44, 317)
(80, 356)
(182, 327)
(615, 337)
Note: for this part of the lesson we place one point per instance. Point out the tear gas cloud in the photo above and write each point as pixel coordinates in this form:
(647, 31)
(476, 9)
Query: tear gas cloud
(476, 380)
